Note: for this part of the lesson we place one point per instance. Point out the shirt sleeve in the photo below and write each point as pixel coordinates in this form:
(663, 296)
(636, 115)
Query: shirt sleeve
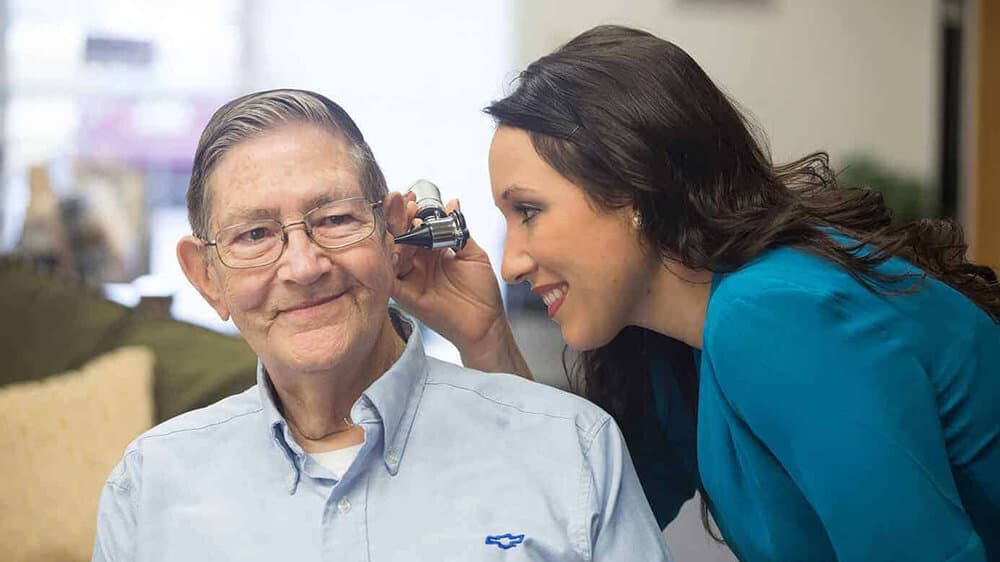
(851, 416)
(116, 514)
(621, 524)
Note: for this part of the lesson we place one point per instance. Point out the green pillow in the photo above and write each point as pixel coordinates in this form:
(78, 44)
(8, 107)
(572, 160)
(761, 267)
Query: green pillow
(194, 366)
(50, 323)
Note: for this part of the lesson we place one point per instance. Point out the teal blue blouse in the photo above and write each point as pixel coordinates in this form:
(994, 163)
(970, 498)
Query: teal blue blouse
(835, 423)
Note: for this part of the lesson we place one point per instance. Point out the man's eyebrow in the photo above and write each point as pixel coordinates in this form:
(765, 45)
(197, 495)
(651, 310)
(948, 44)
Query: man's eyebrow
(237, 214)
(336, 195)
(240, 214)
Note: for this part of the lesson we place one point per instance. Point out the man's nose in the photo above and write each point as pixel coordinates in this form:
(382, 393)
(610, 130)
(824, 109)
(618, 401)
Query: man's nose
(304, 261)
(517, 263)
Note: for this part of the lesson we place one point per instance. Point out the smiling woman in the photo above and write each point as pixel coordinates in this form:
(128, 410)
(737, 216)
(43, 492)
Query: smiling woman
(756, 329)
(576, 254)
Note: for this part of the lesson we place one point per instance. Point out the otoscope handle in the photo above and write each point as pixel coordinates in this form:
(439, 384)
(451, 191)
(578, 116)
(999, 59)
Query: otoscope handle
(428, 200)
(461, 230)
(439, 230)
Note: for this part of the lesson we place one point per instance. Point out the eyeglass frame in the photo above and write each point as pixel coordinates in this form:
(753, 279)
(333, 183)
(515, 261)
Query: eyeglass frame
(284, 234)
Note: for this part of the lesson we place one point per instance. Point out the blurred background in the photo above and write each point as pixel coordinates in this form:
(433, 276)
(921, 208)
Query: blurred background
(102, 103)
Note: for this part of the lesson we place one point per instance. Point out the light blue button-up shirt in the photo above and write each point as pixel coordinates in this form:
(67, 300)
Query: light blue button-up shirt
(456, 465)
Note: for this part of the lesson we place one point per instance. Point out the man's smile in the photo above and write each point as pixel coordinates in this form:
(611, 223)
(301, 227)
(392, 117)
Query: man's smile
(311, 306)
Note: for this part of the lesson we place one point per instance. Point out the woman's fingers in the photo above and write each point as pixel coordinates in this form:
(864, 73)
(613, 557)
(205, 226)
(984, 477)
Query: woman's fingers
(471, 249)
(411, 211)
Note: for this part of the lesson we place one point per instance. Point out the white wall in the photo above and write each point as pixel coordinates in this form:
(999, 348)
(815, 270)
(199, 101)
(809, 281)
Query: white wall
(840, 75)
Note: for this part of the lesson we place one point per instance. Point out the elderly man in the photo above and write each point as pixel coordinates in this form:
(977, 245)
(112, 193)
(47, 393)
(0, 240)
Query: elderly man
(353, 445)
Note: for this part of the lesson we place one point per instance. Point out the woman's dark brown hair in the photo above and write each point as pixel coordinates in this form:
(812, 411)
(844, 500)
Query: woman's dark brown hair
(635, 122)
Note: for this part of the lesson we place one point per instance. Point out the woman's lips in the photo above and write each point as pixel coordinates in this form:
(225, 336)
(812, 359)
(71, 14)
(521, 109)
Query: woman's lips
(552, 295)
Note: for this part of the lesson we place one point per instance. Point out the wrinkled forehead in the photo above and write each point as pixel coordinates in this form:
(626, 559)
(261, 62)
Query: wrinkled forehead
(284, 173)
(242, 212)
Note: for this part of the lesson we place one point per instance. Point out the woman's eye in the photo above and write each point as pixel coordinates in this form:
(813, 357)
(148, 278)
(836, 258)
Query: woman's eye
(527, 212)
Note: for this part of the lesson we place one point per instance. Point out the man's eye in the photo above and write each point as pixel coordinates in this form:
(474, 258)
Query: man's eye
(255, 234)
(527, 212)
(338, 220)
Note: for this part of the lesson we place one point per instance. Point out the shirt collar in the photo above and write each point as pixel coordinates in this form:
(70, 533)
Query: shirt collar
(277, 428)
(394, 396)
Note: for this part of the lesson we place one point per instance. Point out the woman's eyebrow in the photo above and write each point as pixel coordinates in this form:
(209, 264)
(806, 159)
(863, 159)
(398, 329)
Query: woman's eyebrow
(513, 190)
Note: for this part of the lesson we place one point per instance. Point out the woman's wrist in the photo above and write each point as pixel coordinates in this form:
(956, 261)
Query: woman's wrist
(496, 352)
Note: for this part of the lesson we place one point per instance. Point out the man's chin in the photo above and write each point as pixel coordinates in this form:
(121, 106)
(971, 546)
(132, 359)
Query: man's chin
(299, 364)
(318, 342)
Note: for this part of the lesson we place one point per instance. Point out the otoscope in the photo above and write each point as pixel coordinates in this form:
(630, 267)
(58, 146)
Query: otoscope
(439, 230)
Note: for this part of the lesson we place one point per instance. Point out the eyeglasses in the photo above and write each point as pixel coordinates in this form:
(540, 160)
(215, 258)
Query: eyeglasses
(259, 243)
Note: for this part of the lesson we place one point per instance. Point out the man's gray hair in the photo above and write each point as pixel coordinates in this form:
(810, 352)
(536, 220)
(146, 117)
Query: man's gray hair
(256, 114)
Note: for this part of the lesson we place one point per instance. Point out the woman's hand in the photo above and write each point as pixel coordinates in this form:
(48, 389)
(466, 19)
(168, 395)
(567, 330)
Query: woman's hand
(456, 294)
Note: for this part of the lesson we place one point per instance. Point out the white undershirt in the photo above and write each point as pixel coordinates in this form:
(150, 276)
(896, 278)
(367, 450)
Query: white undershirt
(338, 461)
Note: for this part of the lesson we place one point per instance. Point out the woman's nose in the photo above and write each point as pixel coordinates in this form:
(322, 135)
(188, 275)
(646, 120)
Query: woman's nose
(517, 263)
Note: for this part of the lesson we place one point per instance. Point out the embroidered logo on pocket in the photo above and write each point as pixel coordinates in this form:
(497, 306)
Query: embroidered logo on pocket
(505, 541)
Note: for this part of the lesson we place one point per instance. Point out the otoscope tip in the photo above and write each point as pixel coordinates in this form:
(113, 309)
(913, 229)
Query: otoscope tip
(420, 236)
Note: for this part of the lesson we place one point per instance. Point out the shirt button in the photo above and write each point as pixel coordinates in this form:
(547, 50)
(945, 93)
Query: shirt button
(392, 457)
(343, 506)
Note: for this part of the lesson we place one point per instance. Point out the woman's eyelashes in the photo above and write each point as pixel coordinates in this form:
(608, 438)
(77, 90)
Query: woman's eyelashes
(527, 212)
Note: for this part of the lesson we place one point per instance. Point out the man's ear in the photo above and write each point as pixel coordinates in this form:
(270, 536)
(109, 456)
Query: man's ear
(394, 210)
(194, 260)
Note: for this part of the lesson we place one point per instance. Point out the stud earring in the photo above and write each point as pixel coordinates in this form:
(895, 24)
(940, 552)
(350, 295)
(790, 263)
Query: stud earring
(637, 220)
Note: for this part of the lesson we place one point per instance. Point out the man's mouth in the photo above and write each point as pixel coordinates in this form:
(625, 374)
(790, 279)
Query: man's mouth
(312, 303)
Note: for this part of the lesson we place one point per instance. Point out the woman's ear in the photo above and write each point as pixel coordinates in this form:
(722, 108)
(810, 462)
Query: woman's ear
(195, 263)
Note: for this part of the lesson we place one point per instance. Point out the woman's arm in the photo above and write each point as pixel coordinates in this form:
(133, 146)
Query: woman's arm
(497, 352)
(456, 294)
(852, 418)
